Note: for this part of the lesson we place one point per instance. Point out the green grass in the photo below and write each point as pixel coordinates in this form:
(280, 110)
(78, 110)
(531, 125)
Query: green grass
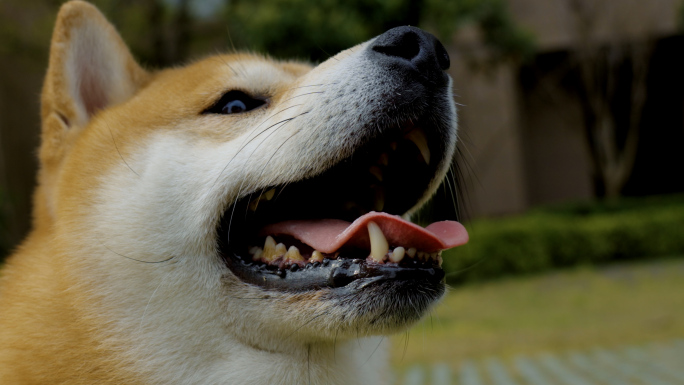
(576, 309)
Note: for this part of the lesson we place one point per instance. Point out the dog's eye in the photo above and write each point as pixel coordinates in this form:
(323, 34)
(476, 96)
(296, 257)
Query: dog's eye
(234, 102)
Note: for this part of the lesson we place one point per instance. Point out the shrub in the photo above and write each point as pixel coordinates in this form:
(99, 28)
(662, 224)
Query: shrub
(569, 235)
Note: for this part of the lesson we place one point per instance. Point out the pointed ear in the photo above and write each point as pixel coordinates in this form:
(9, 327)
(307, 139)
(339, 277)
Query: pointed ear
(90, 69)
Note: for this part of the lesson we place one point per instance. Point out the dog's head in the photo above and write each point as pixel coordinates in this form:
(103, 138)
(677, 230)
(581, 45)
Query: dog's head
(242, 198)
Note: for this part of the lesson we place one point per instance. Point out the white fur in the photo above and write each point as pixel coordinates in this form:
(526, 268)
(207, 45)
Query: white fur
(188, 320)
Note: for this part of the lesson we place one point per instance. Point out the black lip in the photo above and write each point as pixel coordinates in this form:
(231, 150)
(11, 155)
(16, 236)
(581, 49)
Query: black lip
(331, 274)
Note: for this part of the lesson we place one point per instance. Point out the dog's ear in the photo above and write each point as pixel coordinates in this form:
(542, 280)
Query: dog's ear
(90, 69)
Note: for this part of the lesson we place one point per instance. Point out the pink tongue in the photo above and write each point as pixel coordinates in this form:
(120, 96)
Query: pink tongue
(328, 235)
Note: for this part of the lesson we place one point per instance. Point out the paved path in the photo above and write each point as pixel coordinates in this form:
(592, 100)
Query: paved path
(655, 364)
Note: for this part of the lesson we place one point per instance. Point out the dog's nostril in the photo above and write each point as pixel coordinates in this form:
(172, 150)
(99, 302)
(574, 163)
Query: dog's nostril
(406, 46)
(442, 56)
(413, 52)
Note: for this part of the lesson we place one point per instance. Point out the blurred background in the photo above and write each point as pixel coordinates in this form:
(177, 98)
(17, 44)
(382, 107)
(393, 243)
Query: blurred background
(569, 173)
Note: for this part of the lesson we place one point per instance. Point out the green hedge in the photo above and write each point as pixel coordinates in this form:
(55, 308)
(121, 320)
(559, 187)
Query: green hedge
(568, 236)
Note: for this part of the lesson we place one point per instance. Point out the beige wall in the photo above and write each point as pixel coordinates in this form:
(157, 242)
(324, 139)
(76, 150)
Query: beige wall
(526, 147)
(490, 140)
(554, 22)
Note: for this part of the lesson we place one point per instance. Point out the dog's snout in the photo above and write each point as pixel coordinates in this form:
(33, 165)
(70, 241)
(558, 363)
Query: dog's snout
(413, 49)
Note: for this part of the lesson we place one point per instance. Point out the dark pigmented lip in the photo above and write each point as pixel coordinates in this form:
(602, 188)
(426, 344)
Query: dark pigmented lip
(331, 274)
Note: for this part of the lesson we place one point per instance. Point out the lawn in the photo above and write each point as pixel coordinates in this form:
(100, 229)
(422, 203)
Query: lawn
(576, 309)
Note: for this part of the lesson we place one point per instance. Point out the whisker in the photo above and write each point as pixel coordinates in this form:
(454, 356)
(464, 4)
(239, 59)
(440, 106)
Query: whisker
(374, 350)
(117, 149)
(138, 260)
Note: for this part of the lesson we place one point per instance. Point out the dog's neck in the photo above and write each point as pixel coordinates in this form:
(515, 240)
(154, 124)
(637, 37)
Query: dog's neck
(361, 361)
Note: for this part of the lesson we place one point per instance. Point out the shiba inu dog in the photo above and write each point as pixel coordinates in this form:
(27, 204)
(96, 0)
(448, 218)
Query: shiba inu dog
(239, 220)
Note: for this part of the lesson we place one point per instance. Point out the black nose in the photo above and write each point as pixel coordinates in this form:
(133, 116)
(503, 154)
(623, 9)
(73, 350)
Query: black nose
(413, 48)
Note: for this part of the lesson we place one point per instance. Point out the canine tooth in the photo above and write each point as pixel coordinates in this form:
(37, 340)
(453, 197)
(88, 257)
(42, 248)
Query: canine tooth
(269, 249)
(411, 252)
(397, 254)
(293, 254)
(377, 173)
(419, 139)
(254, 249)
(379, 246)
(268, 195)
(258, 254)
(280, 249)
(316, 256)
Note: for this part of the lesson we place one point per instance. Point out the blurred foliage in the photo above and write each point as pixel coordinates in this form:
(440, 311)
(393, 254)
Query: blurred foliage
(165, 32)
(4, 243)
(295, 28)
(569, 235)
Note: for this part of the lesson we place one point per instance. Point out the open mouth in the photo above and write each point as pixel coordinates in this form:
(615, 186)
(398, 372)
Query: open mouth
(344, 225)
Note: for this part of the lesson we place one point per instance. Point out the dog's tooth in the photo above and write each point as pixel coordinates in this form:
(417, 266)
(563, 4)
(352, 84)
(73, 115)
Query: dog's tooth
(253, 204)
(294, 255)
(419, 139)
(393, 146)
(377, 172)
(257, 255)
(397, 254)
(439, 259)
(269, 249)
(268, 195)
(316, 256)
(411, 252)
(379, 245)
(384, 159)
(254, 249)
(280, 249)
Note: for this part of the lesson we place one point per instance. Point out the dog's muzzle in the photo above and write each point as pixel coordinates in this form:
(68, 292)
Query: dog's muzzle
(345, 224)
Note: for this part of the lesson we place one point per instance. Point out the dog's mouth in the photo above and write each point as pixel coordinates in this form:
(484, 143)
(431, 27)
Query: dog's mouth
(344, 225)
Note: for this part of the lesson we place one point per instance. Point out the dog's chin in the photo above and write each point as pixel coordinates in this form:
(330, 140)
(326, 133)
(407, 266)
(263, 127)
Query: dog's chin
(385, 306)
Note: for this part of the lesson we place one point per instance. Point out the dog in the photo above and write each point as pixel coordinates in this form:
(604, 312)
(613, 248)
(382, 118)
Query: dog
(239, 220)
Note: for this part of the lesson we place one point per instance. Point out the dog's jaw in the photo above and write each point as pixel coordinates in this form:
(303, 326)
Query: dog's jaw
(134, 194)
(181, 192)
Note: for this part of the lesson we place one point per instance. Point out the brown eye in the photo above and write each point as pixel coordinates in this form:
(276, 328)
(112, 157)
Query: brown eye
(234, 102)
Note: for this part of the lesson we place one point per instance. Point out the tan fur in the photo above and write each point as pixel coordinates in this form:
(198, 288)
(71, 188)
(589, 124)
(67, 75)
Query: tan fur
(131, 171)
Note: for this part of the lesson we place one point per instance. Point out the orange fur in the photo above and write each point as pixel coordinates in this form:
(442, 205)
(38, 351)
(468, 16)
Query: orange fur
(120, 280)
(47, 333)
